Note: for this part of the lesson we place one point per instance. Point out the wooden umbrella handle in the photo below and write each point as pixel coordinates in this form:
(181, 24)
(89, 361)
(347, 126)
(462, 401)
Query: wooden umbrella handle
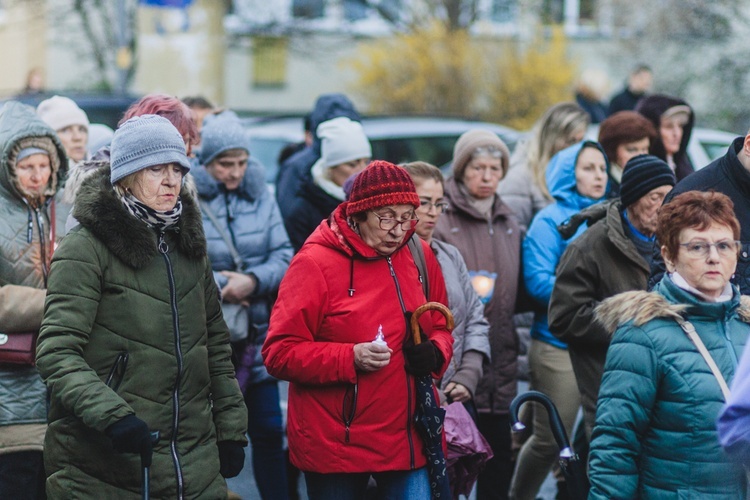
(429, 306)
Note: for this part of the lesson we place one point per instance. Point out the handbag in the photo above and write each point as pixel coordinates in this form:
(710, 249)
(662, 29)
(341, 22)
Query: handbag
(236, 316)
(18, 348)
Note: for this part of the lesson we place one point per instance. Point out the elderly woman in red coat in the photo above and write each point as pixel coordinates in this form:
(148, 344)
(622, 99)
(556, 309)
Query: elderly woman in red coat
(352, 400)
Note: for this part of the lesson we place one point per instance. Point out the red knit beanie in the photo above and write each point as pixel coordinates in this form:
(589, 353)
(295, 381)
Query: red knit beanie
(381, 184)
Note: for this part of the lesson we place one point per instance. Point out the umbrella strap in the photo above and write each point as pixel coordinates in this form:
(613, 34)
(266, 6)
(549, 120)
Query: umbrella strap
(689, 330)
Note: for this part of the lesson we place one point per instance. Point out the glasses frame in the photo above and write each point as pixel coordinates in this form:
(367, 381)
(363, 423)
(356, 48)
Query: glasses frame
(395, 222)
(440, 206)
(707, 248)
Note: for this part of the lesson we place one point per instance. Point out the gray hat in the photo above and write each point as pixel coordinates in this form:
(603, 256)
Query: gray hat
(145, 141)
(222, 133)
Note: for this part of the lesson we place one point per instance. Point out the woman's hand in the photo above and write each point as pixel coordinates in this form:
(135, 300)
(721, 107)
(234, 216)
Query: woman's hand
(371, 357)
(238, 288)
(457, 392)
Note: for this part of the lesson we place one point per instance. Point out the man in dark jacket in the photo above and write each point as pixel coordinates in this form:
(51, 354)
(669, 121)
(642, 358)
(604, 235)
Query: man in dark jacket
(609, 258)
(730, 175)
(639, 83)
(295, 171)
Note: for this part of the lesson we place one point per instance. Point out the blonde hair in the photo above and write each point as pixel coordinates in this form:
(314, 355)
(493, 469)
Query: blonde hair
(552, 133)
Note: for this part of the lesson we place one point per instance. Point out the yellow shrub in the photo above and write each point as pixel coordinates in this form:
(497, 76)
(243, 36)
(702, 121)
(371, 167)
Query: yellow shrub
(527, 82)
(428, 71)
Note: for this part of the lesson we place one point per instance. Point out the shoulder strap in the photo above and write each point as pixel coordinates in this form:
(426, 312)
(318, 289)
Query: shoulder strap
(689, 330)
(233, 251)
(417, 252)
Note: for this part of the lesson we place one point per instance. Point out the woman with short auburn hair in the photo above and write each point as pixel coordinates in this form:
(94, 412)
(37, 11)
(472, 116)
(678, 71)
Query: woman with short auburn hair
(655, 434)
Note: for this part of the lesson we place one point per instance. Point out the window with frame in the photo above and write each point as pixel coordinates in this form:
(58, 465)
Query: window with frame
(269, 61)
(308, 9)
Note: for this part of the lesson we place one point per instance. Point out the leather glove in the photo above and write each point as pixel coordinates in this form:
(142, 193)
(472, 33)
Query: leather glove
(231, 458)
(131, 435)
(422, 359)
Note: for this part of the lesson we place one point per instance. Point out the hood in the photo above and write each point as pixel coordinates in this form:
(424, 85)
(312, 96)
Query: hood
(335, 233)
(561, 176)
(652, 107)
(327, 107)
(98, 209)
(640, 307)
(252, 187)
(18, 122)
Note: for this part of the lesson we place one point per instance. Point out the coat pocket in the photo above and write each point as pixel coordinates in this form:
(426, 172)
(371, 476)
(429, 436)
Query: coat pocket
(117, 372)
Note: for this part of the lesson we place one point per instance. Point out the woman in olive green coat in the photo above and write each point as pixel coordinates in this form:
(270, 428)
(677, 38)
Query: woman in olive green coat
(133, 339)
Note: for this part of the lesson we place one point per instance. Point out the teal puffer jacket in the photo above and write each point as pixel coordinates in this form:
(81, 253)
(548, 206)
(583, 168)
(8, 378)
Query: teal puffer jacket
(655, 433)
(135, 328)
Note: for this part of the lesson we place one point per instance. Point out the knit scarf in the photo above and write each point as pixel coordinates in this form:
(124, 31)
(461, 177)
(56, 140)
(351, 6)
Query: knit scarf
(161, 221)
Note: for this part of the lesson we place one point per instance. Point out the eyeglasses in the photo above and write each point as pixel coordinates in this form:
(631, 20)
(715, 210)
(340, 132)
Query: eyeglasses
(440, 207)
(388, 223)
(477, 170)
(701, 249)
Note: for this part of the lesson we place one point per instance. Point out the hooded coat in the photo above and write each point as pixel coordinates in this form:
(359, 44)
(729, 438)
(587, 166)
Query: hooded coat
(655, 435)
(489, 247)
(294, 173)
(600, 264)
(652, 107)
(25, 252)
(133, 325)
(250, 216)
(543, 245)
(337, 293)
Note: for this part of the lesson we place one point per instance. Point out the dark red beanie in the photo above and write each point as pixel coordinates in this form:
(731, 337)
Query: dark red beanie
(381, 184)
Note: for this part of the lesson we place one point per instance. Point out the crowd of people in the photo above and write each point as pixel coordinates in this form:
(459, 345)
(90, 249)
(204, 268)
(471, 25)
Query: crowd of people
(168, 290)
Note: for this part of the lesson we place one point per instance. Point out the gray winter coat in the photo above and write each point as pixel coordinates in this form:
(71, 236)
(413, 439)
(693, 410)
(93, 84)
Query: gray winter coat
(25, 252)
(471, 330)
(250, 216)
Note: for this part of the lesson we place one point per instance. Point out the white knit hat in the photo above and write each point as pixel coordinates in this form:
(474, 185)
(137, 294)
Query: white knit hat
(59, 112)
(342, 140)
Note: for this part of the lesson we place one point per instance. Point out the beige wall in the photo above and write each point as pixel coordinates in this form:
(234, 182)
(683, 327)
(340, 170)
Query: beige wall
(182, 52)
(23, 31)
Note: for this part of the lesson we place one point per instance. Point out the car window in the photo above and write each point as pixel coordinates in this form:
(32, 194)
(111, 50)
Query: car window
(714, 149)
(436, 150)
(266, 151)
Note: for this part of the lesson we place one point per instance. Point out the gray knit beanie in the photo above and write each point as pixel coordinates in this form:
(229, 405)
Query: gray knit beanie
(469, 142)
(223, 133)
(144, 141)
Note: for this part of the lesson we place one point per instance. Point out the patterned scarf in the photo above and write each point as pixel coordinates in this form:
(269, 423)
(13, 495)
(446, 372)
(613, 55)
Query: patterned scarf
(161, 221)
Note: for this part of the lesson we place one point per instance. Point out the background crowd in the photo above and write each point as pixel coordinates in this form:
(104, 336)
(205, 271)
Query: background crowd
(171, 289)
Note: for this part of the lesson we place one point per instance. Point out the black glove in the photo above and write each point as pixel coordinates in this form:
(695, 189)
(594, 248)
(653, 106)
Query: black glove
(131, 435)
(231, 458)
(422, 359)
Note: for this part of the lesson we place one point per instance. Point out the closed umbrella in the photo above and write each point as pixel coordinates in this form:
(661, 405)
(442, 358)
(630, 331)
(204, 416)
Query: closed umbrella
(573, 469)
(430, 415)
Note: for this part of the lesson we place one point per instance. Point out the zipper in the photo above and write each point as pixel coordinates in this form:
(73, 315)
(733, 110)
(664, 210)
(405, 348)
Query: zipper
(409, 416)
(117, 372)
(42, 243)
(164, 250)
(348, 416)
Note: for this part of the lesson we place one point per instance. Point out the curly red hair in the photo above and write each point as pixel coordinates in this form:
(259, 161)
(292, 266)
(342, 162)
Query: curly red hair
(697, 210)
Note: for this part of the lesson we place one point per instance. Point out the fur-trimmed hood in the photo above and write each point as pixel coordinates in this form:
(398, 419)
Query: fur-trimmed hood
(640, 307)
(98, 209)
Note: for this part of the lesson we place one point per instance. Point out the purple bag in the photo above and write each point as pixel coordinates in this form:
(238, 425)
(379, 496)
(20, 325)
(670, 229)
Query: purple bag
(468, 451)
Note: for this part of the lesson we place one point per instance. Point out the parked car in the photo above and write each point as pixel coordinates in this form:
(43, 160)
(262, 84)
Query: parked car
(396, 139)
(704, 147)
(100, 107)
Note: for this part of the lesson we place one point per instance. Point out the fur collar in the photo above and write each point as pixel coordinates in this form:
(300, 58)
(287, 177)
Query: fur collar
(641, 307)
(98, 209)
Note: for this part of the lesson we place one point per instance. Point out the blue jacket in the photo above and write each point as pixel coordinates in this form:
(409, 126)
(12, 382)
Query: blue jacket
(250, 216)
(544, 245)
(295, 171)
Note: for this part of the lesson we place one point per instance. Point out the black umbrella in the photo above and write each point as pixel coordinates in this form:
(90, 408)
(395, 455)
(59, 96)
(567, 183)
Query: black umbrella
(572, 467)
(430, 415)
